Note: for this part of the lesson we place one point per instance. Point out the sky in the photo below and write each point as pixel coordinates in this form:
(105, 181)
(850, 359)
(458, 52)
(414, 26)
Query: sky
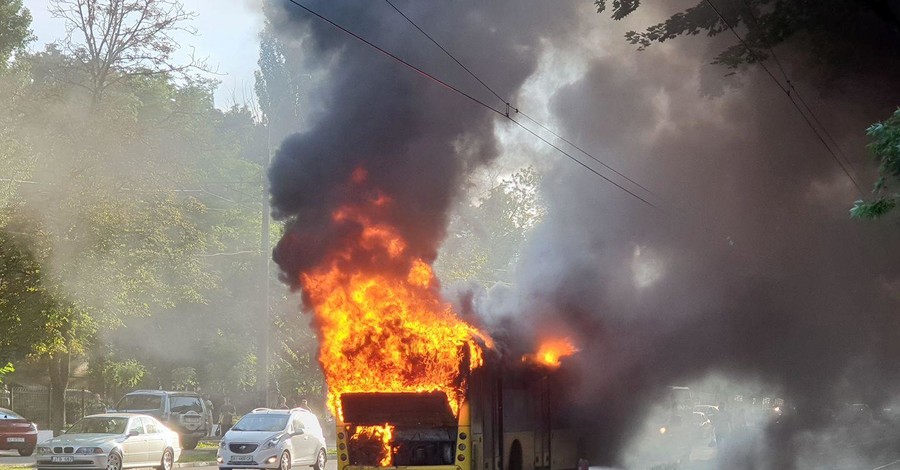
(227, 36)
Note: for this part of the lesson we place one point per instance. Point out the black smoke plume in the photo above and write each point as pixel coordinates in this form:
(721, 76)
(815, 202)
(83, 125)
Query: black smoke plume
(417, 140)
(752, 269)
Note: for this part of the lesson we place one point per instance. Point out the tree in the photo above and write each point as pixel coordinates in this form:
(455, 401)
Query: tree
(843, 36)
(15, 21)
(114, 40)
(484, 238)
(886, 148)
(277, 86)
(827, 24)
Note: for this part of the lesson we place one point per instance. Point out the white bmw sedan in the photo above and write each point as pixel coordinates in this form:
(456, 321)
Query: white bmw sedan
(111, 441)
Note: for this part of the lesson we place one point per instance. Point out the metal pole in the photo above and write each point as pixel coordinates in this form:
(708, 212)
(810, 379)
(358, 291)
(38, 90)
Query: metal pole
(267, 268)
(50, 407)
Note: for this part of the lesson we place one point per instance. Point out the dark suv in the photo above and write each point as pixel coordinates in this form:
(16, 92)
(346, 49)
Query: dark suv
(183, 412)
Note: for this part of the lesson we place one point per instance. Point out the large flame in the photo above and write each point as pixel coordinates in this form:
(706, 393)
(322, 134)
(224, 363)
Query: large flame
(551, 351)
(379, 434)
(381, 322)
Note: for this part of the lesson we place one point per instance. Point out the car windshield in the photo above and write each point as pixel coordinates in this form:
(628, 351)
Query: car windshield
(261, 422)
(99, 425)
(139, 403)
(6, 414)
(185, 404)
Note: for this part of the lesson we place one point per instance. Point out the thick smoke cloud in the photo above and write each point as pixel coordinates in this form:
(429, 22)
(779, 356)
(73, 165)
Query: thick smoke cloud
(417, 140)
(752, 268)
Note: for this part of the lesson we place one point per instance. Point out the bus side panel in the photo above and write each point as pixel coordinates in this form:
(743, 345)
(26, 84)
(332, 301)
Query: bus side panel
(564, 443)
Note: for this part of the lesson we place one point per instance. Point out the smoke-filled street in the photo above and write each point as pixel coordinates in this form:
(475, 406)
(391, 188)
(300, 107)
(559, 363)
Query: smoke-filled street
(505, 235)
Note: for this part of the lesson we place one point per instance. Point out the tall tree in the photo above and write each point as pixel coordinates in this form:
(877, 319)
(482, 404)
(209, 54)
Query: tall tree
(15, 21)
(113, 40)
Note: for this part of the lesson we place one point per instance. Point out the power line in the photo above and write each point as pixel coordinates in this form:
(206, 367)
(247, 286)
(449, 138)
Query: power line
(470, 97)
(398, 59)
(787, 90)
(508, 105)
(583, 164)
(794, 89)
(448, 53)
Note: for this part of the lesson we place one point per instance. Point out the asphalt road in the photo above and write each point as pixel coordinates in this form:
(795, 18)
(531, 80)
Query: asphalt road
(12, 458)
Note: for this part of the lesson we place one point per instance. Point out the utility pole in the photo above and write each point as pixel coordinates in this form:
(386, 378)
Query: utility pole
(266, 243)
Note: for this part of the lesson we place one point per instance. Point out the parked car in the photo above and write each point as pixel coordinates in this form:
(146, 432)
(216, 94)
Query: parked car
(111, 441)
(183, 412)
(279, 439)
(17, 433)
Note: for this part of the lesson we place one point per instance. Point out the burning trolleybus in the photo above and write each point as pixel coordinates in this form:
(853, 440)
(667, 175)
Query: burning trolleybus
(411, 384)
(507, 420)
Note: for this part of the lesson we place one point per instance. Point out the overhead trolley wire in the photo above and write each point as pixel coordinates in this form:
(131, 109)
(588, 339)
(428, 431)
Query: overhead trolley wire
(795, 91)
(515, 108)
(397, 58)
(470, 97)
(786, 88)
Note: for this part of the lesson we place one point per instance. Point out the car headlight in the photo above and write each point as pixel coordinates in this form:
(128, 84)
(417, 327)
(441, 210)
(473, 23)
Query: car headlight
(89, 450)
(222, 444)
(271, 443)
(43, 450)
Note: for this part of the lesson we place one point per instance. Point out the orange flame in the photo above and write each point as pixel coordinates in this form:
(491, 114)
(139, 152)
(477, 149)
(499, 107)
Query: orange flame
(551, 351)
(383, 434)
(381, 323)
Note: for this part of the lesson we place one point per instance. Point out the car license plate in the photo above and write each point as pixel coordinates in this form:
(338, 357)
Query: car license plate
(241, 458)
(15, 439)
(62, 459)
(193, 419)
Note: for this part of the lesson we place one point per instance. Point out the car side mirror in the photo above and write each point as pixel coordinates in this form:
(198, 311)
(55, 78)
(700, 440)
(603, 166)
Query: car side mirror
(298, 432)
(133, 433)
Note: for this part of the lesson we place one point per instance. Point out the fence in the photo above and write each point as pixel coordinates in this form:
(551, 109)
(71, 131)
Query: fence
(34, 403)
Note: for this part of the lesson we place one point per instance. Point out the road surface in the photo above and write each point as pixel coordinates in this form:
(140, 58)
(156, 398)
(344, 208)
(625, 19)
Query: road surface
(12, 458)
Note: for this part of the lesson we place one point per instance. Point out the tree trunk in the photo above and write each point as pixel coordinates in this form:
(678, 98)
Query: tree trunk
(59, 381)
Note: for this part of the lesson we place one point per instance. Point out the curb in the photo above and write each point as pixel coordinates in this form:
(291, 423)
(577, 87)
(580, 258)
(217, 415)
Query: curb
(175, 465)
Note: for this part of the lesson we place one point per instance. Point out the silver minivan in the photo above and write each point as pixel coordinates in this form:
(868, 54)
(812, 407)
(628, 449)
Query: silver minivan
(266, 438)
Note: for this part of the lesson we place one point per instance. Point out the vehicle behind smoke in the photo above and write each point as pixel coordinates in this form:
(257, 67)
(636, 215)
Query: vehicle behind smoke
(183, 412)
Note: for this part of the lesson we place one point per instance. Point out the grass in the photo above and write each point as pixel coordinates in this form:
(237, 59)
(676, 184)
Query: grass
(205, 445)
(199, 455)
(14, 467)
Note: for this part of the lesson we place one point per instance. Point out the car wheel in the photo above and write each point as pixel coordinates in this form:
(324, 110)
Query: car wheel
(114, 461)
(189, 443)
(26, 452)
(320, 460)
(168, 459)
(285, 463)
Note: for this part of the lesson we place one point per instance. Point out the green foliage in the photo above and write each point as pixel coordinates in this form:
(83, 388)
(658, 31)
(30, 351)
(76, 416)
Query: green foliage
(278, 85)
(125, 373)
(15, 21)
(184, 378)
(485, 236)
(826, 24)
(6, 369)
(885, 146)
